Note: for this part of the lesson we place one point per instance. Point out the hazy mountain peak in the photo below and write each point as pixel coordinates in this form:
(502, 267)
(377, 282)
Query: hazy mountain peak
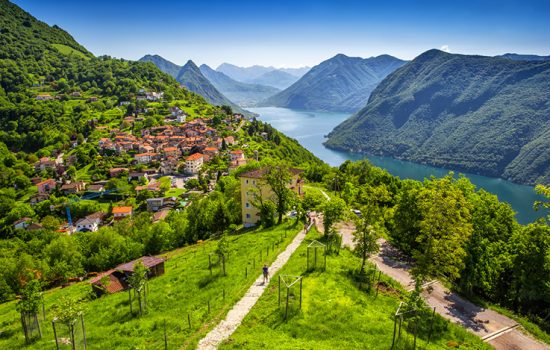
(340, 83)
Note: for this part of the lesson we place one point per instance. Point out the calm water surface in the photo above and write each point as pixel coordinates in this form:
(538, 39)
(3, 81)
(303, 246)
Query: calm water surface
(310, 128)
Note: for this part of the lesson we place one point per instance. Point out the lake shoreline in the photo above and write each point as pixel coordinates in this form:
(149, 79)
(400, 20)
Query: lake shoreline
(454, 169)
(309, 128)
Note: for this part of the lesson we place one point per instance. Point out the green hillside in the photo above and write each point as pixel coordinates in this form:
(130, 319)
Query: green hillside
(185, 289)
(36, 59)
(478, 114)
(162, 64)
(336, 313)
(340, 83)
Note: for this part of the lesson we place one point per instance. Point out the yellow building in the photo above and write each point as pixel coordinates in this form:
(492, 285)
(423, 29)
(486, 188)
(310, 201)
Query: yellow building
(253, 184)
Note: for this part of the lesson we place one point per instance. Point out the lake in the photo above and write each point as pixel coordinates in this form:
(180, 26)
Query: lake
(310, 128)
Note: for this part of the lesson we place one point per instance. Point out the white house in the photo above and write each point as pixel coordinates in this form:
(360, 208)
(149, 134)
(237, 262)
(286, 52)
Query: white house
(88, 224)
(193, 163)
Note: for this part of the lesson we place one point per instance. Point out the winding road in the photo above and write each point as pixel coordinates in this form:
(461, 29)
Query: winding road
(500, 331)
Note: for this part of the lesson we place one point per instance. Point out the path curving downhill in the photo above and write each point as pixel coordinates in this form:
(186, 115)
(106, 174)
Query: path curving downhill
(500, 331)
(235, 316)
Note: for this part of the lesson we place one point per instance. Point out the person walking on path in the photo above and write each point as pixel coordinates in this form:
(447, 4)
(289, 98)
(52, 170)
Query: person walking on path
(266, 273)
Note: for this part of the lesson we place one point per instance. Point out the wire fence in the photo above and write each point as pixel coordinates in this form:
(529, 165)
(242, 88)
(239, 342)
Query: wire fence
(193, 320)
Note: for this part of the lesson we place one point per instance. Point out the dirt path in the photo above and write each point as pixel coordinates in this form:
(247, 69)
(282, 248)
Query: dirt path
(235, 316)
(498, 330)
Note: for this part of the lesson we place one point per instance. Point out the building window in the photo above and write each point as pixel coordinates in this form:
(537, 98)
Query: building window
(247, 182)
(248, 205)
(248, 216)
(253, 182)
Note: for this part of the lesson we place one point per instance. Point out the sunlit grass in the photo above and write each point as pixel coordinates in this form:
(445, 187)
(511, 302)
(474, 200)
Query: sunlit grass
(185, 289)
(335, 313)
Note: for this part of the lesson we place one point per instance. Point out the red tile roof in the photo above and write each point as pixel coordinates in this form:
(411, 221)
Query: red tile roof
(194, 156)
(147, 261)
(46, 182)
(114, 285)
(122, 210)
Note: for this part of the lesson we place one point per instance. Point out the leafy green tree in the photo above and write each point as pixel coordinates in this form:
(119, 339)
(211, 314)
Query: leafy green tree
(444, 229)
(63, 257)
(67, 311)
(51, 223)
(332, 210)
(31, 297)
(267, 213)
(365, 239)
(137, 281)
(278, 178)
(530, 287)
(222, 250)
(488, 249)
(545, 191)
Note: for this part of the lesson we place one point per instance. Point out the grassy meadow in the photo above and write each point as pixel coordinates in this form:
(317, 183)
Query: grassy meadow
(336, 314)
(185, 290)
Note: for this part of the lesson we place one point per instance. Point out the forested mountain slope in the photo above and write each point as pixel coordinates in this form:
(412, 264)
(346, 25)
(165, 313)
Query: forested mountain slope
(341, 83)
(484, 115)
(162, 64)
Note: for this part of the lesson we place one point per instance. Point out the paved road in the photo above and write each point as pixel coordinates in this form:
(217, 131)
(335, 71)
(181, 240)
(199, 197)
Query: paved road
(498, 330)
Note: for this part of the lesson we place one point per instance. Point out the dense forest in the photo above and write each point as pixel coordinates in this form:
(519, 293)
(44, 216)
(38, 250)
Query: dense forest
(484, 115)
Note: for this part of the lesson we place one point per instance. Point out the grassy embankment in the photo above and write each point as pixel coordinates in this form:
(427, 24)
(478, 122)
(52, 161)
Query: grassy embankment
(336, 314)
(185, 289)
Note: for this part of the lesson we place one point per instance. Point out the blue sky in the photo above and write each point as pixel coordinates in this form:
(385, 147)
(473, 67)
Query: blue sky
(297, 33)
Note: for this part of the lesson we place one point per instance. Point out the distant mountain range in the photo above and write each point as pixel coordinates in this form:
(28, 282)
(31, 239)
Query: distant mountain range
(340, 83)
(280, 78)
(241, 93)
(485, 115)
(193, 79)
(518, 57)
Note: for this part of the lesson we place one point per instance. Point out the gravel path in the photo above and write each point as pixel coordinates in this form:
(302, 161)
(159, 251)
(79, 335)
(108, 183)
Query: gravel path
(236, 315)
(498, 330)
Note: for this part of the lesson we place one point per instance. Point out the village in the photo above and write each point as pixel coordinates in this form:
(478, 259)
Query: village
(163, 160)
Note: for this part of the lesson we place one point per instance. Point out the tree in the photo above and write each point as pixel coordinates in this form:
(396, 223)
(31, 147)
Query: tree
(530, 289)
(365, 239)
(365, 236)
(278, 177)
(444, 229)
(28, 305)
(67, 311)
(51, 222)
(64, 259)
(267, 213)
(333, 210)
(544, 191)
(137, 281)
(222, 250)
